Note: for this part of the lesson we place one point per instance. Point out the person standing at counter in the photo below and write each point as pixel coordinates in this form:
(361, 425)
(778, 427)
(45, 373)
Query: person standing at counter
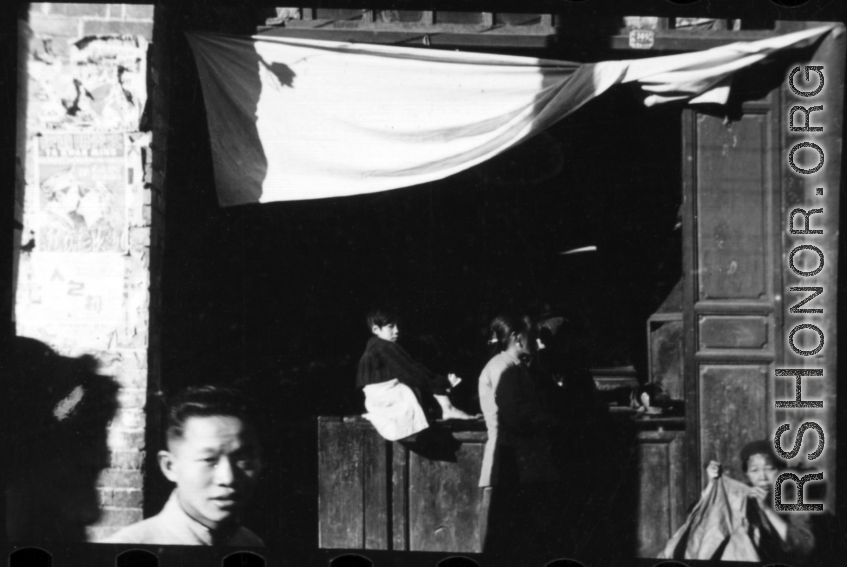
(510, 341)
(528, 502)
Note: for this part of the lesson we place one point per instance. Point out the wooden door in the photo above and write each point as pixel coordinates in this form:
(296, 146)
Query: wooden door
(739, 192)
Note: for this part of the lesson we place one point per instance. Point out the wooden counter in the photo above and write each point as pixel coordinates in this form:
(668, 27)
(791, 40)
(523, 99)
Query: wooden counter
(375, 494)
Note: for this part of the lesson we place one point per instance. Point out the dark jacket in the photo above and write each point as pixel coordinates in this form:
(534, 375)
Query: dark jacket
(799, 541)
(530, 428)
(385, 360)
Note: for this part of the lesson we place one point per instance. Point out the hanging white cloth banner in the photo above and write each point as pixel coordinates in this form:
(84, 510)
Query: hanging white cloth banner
(293, 119)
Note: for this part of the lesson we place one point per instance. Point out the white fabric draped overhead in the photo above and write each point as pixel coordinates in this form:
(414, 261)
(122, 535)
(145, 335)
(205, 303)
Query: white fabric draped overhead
(293, 119)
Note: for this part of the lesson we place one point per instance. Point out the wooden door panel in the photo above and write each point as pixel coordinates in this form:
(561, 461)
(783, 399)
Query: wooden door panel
(375, 451)
(732, 207)
(733, 411)
(444, 502)
(340, 493)
(660, 489)
(734, 332)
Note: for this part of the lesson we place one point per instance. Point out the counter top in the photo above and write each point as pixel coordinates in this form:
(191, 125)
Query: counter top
(641, 420)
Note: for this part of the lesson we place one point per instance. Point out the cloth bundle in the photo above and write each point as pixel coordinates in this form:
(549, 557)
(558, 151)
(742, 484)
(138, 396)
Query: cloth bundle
(717, 527)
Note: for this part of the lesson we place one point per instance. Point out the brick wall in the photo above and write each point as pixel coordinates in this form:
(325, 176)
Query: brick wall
(113, 322)
(79, 20)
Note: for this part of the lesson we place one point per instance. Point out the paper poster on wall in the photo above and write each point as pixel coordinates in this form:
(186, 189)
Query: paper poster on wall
(101, 86)
(74, 300)
(81, 203)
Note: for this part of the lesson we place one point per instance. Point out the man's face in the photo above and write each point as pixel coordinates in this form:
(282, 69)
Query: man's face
(215, 466)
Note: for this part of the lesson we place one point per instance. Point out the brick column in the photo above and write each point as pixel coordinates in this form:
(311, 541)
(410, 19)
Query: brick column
(155, 168)
(88, 263)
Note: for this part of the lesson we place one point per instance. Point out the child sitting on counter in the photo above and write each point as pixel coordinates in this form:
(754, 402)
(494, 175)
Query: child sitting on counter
(398, 388)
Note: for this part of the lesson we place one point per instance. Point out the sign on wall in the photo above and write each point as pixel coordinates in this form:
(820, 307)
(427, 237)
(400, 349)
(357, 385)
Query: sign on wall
(82, 192)
(81, 201)
(71, 300)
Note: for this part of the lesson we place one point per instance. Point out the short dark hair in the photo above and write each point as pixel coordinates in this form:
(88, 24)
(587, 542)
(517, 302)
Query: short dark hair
(380, 317)
(205, 401)
(761, 447)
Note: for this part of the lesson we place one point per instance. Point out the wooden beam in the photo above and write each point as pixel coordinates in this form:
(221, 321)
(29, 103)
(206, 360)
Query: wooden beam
(685, 41)
(691, 39)
(425, 33)
(435, 36)
(422, 26)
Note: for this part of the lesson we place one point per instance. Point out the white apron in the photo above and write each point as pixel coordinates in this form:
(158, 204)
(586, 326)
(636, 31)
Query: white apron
(393, 409)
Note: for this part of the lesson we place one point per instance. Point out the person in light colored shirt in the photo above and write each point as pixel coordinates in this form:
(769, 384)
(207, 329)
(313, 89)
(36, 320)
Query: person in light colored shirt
(510, 341)
(213, 457)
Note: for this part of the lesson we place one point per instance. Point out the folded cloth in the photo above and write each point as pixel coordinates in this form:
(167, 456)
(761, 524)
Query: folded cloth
(393, 409)
(717, 527)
